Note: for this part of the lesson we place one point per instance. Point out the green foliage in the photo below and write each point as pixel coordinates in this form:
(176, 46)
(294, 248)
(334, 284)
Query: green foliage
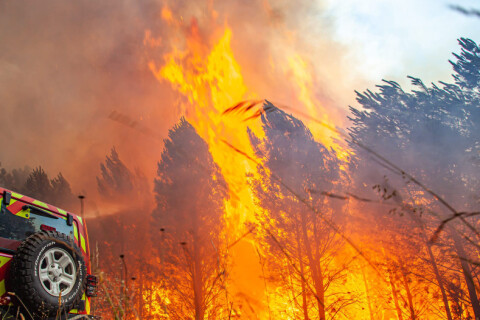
(431, 132)
(467, 65)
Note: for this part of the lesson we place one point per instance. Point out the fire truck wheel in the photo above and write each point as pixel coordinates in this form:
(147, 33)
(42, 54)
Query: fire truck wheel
(49, 274)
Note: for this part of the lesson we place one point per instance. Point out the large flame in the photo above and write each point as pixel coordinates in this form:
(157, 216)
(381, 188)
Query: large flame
(229, 52)
(210, 80)
(204, 72)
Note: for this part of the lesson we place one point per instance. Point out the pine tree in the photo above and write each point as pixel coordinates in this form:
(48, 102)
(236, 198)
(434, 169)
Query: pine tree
(467, 65)
(120, 184)
(61, 192)
(38, 185)
(188, 223)
(298, 242)
(15, 179)
(56, 191)
(432, 133)
(116, 178)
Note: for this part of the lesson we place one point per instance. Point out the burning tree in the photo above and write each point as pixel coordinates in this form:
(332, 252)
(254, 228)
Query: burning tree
(301, 248)
(432, 136)
(188, 225)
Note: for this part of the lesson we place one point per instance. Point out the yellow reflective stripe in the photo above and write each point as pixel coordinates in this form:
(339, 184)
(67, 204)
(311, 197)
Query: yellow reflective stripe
(87, 305)
(62, 211)
(75, 231)
(4, 260)
(80, 219)
(17, 195)
(40, 203)
(82, 243)
(2, 288)
(24, 214)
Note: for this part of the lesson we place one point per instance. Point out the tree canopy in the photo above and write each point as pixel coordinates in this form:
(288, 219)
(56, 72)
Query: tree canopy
(188, 223)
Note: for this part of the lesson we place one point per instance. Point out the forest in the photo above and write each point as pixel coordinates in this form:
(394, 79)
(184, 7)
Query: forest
(385, 226)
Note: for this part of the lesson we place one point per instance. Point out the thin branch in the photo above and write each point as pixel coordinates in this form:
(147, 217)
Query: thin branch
(328, 222)
(349, 139)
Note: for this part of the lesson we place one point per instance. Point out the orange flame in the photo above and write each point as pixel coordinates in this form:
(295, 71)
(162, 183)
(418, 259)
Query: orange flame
(211, 81)
(208, 78)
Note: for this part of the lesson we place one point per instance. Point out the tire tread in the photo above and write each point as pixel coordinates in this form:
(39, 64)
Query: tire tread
(23, 268)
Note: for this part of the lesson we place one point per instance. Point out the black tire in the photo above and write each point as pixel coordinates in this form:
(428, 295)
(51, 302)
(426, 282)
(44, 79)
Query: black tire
(27, 285)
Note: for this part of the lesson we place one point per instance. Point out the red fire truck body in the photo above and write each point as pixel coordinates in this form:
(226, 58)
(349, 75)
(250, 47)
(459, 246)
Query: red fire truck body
(45, 267)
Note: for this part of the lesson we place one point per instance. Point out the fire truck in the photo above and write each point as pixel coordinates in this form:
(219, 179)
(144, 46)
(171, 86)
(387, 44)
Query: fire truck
(45, 270)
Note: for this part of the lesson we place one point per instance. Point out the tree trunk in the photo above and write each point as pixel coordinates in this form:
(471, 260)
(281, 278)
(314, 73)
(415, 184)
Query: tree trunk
(320, 294)
(368, 294)
(395, 297)
(197, 282)
(302, 275)
(439, 279)
(467, 273)
(304, 294)
(409, 293)
(316, 270)
(433, 262)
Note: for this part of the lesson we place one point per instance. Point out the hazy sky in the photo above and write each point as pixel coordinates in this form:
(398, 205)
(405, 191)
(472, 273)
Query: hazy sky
(398, 38)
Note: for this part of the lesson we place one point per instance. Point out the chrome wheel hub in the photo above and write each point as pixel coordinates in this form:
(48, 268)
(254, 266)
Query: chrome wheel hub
(57, 272)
